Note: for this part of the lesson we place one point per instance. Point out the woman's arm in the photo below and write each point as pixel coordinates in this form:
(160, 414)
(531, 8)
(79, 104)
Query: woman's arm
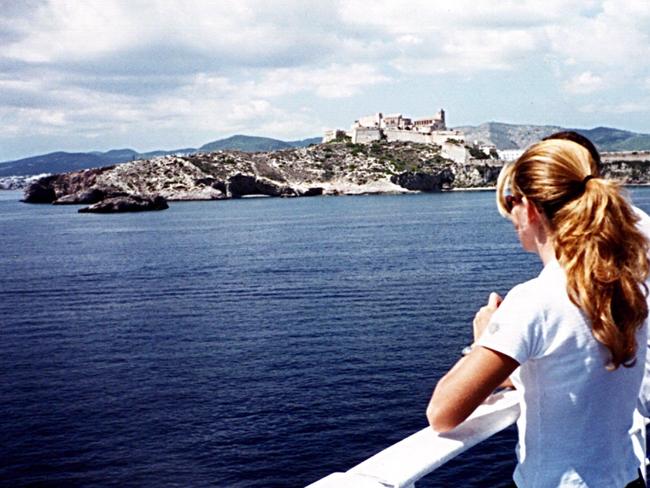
(466, 386)
(482, 319)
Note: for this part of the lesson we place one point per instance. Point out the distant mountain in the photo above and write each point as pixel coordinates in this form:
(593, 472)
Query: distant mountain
(507, 136)
(56, 162)
(513, 136)
(155, 154)
(63, 162)
(305, 142)
(504, 136)
(255, 144)
(608, 139)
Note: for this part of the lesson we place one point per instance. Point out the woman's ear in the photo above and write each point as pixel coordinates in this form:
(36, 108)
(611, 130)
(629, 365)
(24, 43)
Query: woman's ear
(532, 212)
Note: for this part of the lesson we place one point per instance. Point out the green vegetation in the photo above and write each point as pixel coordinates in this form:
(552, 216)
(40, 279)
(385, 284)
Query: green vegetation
(342, 138)
(399, 166)
(351, 145)
(246, 143)
(476, 153)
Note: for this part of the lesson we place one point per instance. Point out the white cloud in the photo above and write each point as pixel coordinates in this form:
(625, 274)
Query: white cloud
(407, 39)
(622, 108)
(333, 81)
(102, 67)
(204, 106)
(248, 30)
(617, 37)
(468, 52)
(420, 16)
(584, 83)
(67, 30)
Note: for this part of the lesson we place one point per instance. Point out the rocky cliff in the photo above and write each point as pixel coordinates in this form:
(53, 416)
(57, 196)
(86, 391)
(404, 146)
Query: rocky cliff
(329, 169)
(630, 167)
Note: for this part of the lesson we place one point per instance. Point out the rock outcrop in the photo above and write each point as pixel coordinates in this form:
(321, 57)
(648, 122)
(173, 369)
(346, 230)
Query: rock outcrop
(482, 174)
(132, 203)
(51, 188)
(632, 168)
(41, 191)
(90, 196)
(427, 182)
(337, 168)
(326, 169)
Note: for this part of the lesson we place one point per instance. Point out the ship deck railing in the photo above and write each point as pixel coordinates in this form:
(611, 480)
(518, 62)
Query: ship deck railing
(409, 460)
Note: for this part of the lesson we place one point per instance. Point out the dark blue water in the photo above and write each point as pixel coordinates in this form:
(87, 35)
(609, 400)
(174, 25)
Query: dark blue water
(250, 343)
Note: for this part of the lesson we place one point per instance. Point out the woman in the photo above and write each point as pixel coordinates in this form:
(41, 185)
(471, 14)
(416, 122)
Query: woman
(568, 339)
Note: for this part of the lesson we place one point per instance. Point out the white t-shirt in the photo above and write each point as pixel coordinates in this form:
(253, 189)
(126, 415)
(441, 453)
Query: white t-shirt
(644, 397)
(575, 414)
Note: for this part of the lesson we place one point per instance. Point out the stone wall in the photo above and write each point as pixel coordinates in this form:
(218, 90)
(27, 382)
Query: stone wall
(365, 135)
(407, 136)
(625, 156)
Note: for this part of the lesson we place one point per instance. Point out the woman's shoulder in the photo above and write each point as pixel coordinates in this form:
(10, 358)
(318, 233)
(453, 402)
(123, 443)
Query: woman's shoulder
(551, 280)
(539, 294)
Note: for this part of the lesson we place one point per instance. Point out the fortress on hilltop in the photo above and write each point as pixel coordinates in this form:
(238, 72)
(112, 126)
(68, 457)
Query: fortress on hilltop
(395, 127)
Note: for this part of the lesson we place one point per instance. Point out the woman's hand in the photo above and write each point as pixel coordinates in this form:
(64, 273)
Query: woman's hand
(483, 316)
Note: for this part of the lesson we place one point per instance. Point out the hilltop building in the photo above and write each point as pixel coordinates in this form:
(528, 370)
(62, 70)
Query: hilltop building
(396, 127)
(509, 154)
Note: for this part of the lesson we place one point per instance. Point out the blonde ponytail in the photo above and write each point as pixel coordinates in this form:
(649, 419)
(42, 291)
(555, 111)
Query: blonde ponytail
(595, 239)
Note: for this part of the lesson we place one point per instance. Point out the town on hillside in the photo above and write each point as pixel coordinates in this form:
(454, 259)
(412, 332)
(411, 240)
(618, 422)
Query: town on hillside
(426, 130)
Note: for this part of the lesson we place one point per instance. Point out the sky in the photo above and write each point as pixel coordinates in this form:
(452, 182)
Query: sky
(82, 75)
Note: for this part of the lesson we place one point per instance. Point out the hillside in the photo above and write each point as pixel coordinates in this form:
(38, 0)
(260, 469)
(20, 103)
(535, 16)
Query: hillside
(62, 162)
(334, 168)
(324, 169)
(255, 144)
(57, 162)
(512, 136)
(504, 136)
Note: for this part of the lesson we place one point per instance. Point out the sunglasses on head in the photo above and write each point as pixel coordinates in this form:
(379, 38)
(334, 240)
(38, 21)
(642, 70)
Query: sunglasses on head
(511, 201)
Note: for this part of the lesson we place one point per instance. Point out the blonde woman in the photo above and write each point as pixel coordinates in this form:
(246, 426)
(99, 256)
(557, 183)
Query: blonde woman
(572, 340)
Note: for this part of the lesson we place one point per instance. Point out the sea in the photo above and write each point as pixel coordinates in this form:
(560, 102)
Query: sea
(257, 342)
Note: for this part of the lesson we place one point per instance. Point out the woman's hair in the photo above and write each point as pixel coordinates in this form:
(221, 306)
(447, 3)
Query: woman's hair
(571, 135)
(594, 235)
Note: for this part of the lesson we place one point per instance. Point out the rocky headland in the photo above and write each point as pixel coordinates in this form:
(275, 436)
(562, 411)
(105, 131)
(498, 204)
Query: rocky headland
(338, 168)
(324, 169)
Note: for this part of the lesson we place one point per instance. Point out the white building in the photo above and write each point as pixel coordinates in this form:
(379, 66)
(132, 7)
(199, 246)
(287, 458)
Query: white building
(509, 154)
(333, 134)
(396, 127)
(425, 125)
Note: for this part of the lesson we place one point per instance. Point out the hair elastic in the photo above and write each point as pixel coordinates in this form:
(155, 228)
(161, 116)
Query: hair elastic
(586, 179)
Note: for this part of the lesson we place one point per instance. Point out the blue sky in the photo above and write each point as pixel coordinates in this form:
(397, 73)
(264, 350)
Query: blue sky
(81, 75)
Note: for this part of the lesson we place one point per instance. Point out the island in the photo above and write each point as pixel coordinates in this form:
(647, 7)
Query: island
(338, 167)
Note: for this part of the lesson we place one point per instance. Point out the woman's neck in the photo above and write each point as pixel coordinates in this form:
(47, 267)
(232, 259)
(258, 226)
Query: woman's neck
(546, 252)
(544, 241)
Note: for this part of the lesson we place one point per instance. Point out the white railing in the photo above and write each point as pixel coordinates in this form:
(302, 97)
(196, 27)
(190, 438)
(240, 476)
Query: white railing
(404, 463)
